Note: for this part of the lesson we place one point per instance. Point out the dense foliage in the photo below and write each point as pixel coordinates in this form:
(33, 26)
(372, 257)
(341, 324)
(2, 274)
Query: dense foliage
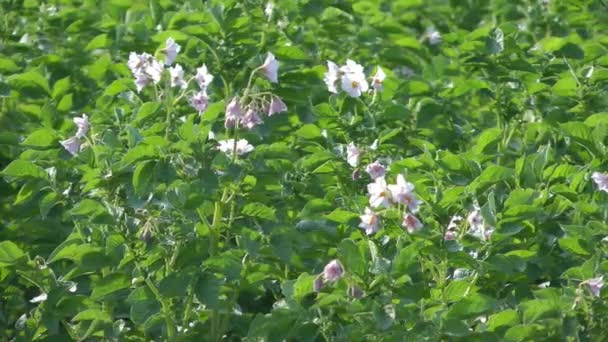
(442, 177)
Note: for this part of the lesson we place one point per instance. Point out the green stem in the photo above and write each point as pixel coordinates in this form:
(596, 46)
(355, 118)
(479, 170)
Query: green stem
(168, 105)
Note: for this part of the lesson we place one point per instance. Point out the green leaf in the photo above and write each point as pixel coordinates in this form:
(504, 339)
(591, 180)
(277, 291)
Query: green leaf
(175, 284)
(573, 245)
(491, 175)
(142, 176)
(92, 315)
(9, 253)
(110, 284)
(352, 258)
(472, 306)
(341, 216)
(566, 86)
(44, 137)
(260, 210)
(7, 66)
(30, 80)
(147, 110)
(24, 169)
(99, 42)
(309, 131)
(508, 317)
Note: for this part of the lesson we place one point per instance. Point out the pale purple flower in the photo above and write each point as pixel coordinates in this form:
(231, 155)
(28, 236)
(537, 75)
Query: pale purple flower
(450, 235)
(82, 124)
(411, 223)
(72, 145)
(137, 62)
(379, 194)
(177, 76)
(145, 68)
(369, 222)
(203, 77)
(200, 101)
(353, 155)
(333, 271)
(251, 118)
(228, 146)
(331, 77)
(270, 68)
(234, 113)
(402, 192)
(154, 70)
(276, 106)
(171, 50)
(601, 180)
(378, 79)
(375, 170)
(595, 285)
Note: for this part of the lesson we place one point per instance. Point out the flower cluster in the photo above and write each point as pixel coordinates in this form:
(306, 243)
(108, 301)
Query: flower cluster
(476, 226)
(386, 195)
(146, 70)
(74, 144)
(248, 110)
(351, 78)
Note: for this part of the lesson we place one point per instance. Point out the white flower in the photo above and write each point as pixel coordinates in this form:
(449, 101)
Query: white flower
(270, 68)
(251, 119)
(374, 145)
(354, 84)
(276, 106)
(352, 155)
(234, 113)
(351, 67)
(203, 77)
(379, 194)
(82, 124)
(200, 101)
(476, 221)
(378, 79)
(369, 222)
(269, 9)
(72, 145)
(601, 180)
(171, 50)
(477, 225)
(333, 271)
(411, 223)
(402, 192)
(177, 76)
(595, 285)
(375, 170)
(228, 146)
(434, 36)
(38, 299)
(331, 77)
